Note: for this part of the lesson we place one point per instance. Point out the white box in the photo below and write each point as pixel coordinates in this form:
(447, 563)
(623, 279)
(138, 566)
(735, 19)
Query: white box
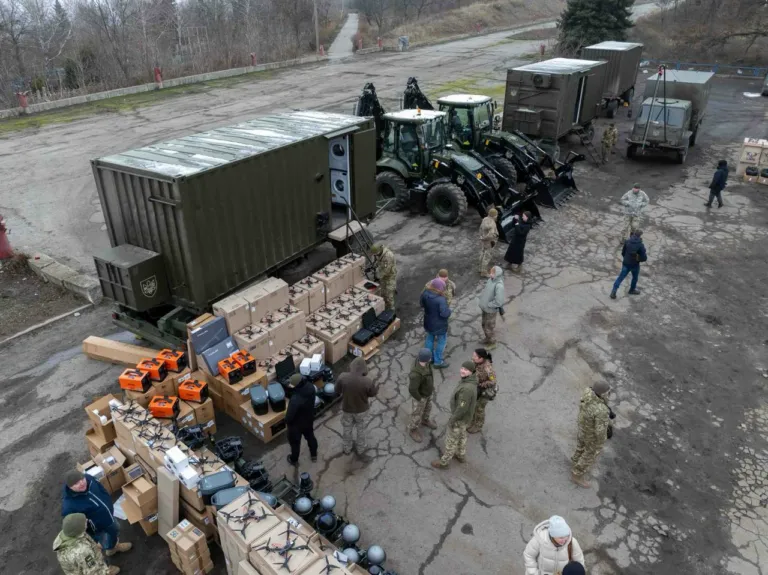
(305, 367)
(175, 460)
(316, 364)
(189, 477)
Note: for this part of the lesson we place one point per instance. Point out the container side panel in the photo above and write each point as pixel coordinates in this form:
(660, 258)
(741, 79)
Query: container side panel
(364, 173)
(105, 186)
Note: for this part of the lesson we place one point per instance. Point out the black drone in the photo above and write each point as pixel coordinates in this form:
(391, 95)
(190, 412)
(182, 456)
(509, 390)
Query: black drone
(247, 518)
(328, 567)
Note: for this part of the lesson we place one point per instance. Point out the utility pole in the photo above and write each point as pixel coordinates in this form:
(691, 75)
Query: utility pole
(317, 28)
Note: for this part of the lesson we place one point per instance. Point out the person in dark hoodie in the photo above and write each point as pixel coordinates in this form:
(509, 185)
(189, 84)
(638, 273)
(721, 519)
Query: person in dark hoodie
(515, 254)
(463, 402)
(718, 184)
(356, 390)
(300, 418)
(436, 314)
(633, 253)
(83, 494)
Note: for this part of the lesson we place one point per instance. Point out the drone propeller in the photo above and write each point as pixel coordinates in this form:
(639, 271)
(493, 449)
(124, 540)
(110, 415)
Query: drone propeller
(328, 567)
(285, 563)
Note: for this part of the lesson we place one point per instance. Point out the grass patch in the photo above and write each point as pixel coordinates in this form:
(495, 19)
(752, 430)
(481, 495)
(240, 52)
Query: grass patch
(540, 34)
(469, 85)
(123, 103)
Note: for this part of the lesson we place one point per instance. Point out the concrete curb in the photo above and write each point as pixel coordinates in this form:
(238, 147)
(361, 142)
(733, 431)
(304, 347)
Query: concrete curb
(52, 271)
(66, 102)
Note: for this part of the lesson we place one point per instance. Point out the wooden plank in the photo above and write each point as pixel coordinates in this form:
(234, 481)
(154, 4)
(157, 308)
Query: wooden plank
(116, 352)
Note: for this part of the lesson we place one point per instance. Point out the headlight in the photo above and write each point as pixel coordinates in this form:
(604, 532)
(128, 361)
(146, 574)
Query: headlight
(479, 176)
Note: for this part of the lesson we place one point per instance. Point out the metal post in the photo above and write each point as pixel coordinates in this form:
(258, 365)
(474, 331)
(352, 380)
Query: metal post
(317, 27)
(664, 110)
(650, 110)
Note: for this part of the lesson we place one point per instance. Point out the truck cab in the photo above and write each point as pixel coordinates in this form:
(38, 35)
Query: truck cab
(469, 117)
(410, 139)
(663, 124)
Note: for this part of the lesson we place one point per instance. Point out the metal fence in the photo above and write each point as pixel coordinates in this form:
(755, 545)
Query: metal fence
(729, 69)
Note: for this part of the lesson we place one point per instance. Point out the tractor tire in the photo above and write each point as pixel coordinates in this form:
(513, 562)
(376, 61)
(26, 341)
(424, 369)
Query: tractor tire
(506, 169)
(492, 177)
(631, 149)
(447, 203)
(391, 186)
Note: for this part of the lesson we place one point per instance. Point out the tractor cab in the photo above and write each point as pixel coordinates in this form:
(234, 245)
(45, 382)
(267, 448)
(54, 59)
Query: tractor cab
(411, 138)
(470, 117)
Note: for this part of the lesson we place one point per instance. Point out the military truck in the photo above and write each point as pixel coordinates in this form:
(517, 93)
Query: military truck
(417, 168)
(517, 157)
(623, 59)
(674, 106)
(195, 219)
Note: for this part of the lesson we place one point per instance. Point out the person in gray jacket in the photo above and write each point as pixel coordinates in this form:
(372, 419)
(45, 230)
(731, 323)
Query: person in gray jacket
(491, 303)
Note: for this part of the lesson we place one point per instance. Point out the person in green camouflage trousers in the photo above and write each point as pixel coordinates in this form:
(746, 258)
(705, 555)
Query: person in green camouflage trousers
(421, 386)
(463, 402)
(610, 137)
(487, 387)
(386, 271)
(489, 235)
(594, 420)
(77, 553)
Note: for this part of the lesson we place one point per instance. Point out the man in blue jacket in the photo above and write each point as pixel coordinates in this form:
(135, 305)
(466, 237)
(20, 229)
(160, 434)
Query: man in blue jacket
(717, 186)
(436, 314)
(633, 254)
(83, 494)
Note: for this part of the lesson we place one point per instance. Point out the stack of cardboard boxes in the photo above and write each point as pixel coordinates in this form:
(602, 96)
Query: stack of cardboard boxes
(189, 549)
(754, 154)
(101, 435)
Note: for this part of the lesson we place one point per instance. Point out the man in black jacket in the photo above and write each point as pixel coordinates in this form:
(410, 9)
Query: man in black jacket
(300, 418)
(633, 254)
(718, 184)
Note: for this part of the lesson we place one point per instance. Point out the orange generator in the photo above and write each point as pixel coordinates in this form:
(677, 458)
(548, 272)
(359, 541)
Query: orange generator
(193, 390)
(175, 361)
(246, 361)
(155, 368)
(134, 380)
(230, 370)
(163, 406)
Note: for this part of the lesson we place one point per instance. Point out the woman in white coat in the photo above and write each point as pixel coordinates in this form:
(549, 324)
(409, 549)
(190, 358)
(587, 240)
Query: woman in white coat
(551, 548)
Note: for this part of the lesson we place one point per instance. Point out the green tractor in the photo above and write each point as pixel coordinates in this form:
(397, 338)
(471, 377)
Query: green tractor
(519, 159)
(417, 168)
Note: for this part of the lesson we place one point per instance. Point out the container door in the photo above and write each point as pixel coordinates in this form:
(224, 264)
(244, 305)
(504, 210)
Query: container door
(579, 100)
(364, 173)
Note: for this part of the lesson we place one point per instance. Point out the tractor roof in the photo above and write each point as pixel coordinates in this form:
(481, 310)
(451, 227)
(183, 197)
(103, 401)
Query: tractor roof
(414, 116)
(464, 100)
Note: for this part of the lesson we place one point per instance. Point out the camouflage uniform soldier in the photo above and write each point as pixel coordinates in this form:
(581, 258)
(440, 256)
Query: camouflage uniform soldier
(489, 235)
(421, 386)
(77, 553)
(487, 387)
(610, 137)
(450, 287)
(463, 404)
(386, 271)
(594, 417)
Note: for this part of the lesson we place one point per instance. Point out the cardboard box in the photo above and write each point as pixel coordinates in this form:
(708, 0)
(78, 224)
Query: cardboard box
(203, 520)
(258, 304)
(235, 310)
(334, 279)
(245, 568)
(94, 471)
(112, 462)
(116, 352)
(234, 395)
(166, 387)
(101, 409)
(308, 345)
(96, 443)
(167, 501)
(391, 329)
(374, 301)
(344, 268)
(186, 417)
(238, 535)
(349, 320)
(255, 340)
(289, 351)
(368, 286)
(302, 555)
(132, 472)
(216, 398)
(150, 525)
(266, 427)
(357, 262)
(214, 354)
(366, 351)
(191, 357)
(268, 367)
(321, 566)
(334, 336)
(277, 292)
(327, 312)
(141, 398)
(204, 412)
(142, 493)
(316, 290)
(265, 297)
(298, 297)
(296, 523)
(295, 320)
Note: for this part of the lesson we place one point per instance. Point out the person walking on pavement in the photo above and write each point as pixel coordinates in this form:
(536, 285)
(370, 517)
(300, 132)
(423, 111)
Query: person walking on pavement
(516, 250)
(386, 272)
(487, 387)
(463, 402)
(634, 202)
(633, 254)
(594, 421)
(489, 236)
(491, 303)
(610, 137)
(300, 418)
(717, 186)
(436, 314)
(356, 390)
(450, 287)
(551, 548)
(421, 386)
(83, 494)
(76, 552)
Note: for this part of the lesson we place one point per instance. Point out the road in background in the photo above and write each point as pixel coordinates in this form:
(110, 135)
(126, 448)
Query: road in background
(342, 44)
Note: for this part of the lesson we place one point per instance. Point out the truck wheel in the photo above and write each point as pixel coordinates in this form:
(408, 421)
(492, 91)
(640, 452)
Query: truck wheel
(631, 149)
(506, 169)
(447, 203)
(390, 187)
(682, 155)
(692, 139)
(610, 112)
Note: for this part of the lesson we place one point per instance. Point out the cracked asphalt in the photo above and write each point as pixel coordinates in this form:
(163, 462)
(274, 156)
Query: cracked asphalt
(681, 488)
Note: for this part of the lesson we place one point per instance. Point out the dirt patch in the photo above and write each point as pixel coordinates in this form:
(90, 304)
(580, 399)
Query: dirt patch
(26, 300)
(541, 34)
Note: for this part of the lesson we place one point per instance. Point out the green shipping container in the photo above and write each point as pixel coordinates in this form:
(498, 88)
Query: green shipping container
(227, 206)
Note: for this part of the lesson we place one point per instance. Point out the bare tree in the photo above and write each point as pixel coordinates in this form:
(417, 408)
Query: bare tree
(49, 27)
(14, 24)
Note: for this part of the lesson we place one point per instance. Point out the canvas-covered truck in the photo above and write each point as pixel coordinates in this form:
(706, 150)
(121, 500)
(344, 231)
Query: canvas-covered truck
(623, 59)
(674, 106)
(195, 219)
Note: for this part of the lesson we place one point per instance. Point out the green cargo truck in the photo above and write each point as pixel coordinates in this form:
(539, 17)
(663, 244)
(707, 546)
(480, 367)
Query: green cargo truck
(194, 219)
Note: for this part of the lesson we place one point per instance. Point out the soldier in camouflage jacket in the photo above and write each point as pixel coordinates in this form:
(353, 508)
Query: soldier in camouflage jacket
(386, 272)
(77, 553)
(594, 420)
(487, 387)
